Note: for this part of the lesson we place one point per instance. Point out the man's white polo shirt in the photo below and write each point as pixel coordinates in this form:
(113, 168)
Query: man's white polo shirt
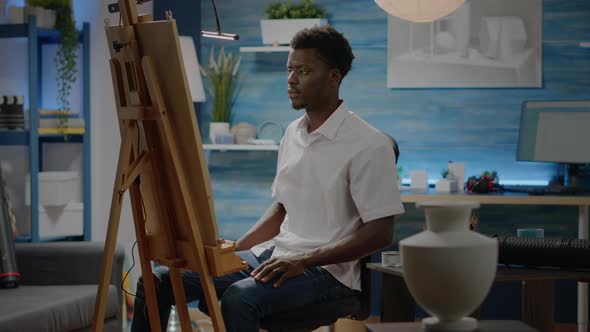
(330, 181)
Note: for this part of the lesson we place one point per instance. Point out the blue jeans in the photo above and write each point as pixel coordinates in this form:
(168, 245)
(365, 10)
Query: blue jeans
(244, 301)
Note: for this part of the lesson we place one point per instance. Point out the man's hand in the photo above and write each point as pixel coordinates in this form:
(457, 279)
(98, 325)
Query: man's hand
(286, 267)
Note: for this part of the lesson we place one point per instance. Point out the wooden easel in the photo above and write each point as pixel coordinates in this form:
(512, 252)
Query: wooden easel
(162, 164)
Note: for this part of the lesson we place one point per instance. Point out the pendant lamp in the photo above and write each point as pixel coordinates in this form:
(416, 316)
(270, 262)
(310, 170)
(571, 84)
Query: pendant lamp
(419, 10)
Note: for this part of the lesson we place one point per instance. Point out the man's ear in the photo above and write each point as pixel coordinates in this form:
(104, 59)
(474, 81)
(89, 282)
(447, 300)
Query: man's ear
(335, 77)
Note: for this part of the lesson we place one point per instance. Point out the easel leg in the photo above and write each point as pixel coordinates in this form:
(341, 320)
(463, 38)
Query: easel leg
(211, 299)
(166, 130)
(180, 298)
(149, 286)
(112, 230)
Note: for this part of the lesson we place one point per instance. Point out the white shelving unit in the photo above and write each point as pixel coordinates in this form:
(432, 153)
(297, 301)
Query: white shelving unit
(240, 147)
(267, 49)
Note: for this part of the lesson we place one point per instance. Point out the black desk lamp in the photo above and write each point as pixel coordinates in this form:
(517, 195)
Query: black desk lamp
(114, 8)
(219, 34)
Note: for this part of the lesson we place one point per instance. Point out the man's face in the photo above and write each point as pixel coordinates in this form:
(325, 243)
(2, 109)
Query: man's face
(308, 80)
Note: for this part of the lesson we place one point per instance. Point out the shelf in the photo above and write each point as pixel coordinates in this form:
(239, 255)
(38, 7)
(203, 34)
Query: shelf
(21, 137)
(253, 49)
(46, 36)
(58, 131)
(14, 137)
(13, 30)
(240, 147)
(60, 138)
(28, 238)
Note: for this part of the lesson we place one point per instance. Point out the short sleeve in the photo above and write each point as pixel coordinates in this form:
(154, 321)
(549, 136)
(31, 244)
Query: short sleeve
(373, 183)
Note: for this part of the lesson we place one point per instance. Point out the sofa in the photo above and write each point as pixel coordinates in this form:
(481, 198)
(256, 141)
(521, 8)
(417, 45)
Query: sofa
(58, 288)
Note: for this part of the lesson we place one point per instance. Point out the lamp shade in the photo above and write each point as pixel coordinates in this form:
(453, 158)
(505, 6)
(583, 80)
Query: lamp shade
(191, 67)
(419, 10)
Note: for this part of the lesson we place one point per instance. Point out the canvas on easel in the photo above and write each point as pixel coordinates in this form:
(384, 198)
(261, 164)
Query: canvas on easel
(162, 164)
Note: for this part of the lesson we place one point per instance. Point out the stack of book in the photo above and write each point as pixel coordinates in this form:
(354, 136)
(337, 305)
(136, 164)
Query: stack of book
(12, 115)
(60, 122)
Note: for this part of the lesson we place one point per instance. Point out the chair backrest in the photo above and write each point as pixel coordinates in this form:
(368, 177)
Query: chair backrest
(365, 297)
(395, 147)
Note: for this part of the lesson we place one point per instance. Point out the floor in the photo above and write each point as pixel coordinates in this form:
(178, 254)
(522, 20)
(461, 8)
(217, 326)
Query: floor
(202, 323)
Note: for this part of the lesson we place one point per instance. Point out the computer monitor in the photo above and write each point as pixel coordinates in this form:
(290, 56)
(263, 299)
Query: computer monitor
(555, 131)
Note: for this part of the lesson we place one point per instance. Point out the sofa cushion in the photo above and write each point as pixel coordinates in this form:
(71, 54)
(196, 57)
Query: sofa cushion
(52, 308)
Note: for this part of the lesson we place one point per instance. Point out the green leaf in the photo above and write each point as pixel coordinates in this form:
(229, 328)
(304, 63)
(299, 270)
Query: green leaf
(287, 10)
(66, 56)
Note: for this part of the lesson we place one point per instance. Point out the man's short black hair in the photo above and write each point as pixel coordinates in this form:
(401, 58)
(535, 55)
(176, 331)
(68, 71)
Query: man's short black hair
(330, 44)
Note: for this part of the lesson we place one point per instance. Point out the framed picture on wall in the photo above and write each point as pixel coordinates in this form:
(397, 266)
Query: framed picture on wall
(483, 44)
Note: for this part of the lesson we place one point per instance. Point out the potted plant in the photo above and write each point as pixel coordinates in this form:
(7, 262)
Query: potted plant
(445, 184)
(222, 76)
(284, 19)
(66, 56)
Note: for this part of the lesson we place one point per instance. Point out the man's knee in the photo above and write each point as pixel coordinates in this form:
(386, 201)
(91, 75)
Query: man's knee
(239, 296)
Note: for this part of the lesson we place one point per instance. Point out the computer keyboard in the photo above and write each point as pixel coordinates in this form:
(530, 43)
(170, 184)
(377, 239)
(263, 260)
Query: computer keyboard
(558, 191)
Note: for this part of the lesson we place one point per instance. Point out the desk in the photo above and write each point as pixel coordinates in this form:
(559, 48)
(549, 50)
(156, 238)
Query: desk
(538, 293)
(483, 326)
(582, 202)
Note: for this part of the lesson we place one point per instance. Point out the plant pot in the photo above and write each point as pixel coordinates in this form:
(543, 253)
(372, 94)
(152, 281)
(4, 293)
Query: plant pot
(448, 268)
(243, 132)
(218, 128)
(280, 32)
(446, 186)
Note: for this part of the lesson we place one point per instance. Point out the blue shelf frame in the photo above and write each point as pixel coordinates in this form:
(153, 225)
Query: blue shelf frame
(31, 138)
(14, 137)
(21, 137)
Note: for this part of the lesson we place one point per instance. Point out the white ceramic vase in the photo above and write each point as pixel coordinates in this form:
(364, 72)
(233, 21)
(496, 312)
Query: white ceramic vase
(218, 128)
(448, 268)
